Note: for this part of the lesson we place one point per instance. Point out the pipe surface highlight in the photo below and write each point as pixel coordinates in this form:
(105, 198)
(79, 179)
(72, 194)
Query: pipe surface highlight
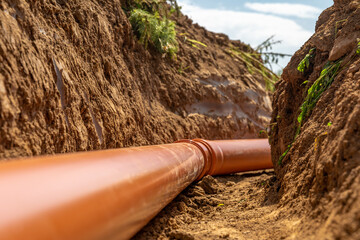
(111, 194)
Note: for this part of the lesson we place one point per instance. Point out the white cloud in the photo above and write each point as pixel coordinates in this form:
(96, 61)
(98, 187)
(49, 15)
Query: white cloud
(286, 9)
(251, 28)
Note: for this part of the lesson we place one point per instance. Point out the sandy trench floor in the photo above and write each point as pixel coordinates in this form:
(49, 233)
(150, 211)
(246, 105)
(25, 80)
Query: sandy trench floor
(238, 206)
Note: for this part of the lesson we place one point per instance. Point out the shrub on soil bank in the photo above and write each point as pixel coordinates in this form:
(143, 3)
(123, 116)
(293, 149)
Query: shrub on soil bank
(151, 28)
(151, 23)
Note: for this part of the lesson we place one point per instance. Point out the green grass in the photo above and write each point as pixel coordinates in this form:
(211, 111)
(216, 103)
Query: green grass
(327, 76)
(155, 30)
(182, 68)
(194, 43)
(305, 63)
(321, 84)
(156, 6)
(269, 57)
(255, 65)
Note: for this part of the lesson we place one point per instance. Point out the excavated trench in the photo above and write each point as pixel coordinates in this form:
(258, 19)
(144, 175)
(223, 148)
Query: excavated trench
(74, 78)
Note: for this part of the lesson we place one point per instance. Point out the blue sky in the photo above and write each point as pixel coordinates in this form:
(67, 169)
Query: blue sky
(292, 22)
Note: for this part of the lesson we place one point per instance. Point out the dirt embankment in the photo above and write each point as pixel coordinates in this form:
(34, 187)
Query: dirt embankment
(73, 77)
(320, 175)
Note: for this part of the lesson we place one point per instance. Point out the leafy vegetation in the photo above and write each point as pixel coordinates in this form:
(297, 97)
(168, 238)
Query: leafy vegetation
(254, 64)
(258, 60)
(314, 93)
(156, 6)
(284, 154)
(194, 43)
(175, 8)
(150, 21)
(327, 76)
(305, 63)
(270, 57)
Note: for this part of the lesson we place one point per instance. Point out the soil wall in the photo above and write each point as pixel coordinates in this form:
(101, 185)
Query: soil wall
(320, 175)
(73, 77)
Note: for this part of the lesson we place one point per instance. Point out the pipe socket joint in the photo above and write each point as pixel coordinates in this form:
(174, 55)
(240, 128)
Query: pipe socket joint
(231, 156)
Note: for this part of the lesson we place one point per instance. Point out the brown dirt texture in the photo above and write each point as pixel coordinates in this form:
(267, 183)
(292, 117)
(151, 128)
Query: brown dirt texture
(319, 178)
(239, 206)
(73, 77)
(315, 192)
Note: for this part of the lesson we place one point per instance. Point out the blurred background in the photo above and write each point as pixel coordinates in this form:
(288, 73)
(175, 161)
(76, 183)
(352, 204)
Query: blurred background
(252, 22)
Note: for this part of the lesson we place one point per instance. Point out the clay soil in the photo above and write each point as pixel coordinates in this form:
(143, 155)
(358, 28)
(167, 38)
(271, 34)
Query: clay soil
(320, 176)
(73, 77)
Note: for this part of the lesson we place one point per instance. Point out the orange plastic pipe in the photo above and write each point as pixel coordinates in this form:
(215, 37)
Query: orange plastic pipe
(231, 156)
(110, 194)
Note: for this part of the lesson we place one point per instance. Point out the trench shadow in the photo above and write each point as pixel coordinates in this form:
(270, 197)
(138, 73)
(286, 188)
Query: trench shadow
(262, 179)
(238, 177)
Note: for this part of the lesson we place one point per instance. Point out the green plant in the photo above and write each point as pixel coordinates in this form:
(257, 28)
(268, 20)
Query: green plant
(159, 6)
(327, 76)
(261, 132)
(270, 57)
(194, 43)
(151, 28)
(182, 68)
(284, 154)
(314, 93)
(174, 7)
(254, 64)
(305, 63)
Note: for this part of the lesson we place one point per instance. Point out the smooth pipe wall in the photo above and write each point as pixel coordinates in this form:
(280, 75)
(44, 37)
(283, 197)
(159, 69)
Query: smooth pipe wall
(107, 194)
(231, 156)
